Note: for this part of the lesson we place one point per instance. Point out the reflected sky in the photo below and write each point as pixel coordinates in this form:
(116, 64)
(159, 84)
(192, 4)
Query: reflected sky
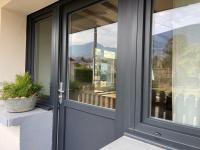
(175, 18)
(106, 36)
(81, 44)
(81, 38)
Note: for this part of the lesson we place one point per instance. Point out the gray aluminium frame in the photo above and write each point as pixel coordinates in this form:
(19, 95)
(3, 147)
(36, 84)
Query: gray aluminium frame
(128, 18)
(68, 8)
(32, 19)
(54, 11)
(154, 130)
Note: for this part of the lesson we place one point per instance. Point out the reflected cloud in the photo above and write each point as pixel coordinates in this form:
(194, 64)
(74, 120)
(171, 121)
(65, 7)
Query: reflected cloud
(81, 38)
(176, 18)
(106, 36)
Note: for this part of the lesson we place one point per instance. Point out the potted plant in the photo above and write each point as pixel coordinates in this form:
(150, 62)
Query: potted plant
(21, 95)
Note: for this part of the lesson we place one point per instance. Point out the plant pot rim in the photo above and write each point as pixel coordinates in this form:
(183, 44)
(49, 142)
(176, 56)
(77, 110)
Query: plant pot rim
(20, 98)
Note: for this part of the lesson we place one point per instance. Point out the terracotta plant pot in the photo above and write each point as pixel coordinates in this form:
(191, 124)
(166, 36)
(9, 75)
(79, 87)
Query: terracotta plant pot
(20, 104)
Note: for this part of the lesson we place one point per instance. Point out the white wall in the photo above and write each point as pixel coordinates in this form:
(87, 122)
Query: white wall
(9, 138)
(13, 15)
(12, 44)
(27, 6)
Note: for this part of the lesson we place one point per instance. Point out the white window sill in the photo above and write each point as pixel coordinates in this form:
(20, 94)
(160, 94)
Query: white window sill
(16, 119)
(127, 143)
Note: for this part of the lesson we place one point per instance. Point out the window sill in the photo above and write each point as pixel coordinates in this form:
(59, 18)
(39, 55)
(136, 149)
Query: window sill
(128, 143)
(16, 119)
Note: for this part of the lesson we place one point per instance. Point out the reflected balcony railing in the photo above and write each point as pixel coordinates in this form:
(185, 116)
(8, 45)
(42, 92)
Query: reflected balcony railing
(98, 98)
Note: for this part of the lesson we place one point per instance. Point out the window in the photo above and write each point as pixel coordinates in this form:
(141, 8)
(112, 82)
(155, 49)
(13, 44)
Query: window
(167, 76)
(42, 55)
(93, 54)
(176, 62)
(40, 48)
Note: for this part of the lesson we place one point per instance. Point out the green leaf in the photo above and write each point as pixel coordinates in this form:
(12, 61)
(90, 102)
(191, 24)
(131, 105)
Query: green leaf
(22, 87)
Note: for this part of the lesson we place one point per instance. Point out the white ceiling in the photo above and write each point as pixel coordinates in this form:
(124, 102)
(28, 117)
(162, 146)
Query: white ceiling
(27, 6)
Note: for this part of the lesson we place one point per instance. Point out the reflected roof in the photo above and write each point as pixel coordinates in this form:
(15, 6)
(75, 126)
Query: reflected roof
(95, 16)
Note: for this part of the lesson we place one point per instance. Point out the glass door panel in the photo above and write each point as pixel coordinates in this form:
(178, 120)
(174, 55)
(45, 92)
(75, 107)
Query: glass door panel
(93, 54)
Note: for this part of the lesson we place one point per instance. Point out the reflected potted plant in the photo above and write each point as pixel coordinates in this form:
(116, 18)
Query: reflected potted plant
(21, 95)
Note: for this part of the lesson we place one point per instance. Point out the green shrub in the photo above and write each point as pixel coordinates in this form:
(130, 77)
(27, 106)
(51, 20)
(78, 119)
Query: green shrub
(75, 86)
(22, 87)
(83, 75)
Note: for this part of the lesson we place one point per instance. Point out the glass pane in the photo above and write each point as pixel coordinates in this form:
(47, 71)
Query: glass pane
(42, 67)
(92, 54)
(176, 61)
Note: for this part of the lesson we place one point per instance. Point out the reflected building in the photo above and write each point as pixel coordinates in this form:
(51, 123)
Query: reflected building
(93, 55)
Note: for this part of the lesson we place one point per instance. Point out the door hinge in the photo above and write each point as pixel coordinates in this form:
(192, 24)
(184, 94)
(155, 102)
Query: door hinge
(61, 92)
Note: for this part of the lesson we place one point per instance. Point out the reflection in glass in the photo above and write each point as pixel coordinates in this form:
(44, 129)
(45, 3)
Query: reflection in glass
(42, 66)
(92, 54)
(176, 61)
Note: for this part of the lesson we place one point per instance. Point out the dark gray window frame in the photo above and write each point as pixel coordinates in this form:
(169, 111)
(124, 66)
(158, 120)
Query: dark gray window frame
(153, 130)
(133, 111)
(32, 19)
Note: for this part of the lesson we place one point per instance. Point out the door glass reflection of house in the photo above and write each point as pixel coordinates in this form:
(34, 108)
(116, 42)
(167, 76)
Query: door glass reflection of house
(92, 54)
(175, 62)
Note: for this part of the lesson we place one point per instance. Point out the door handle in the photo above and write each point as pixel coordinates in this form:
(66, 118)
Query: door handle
(61, 92)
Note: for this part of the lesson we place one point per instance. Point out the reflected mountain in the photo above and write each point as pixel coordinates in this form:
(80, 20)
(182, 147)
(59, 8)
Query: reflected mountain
(188, 35)
(86, 50)
(160, 42)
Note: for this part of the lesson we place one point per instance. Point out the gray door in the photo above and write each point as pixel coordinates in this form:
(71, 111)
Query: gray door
(89, 75)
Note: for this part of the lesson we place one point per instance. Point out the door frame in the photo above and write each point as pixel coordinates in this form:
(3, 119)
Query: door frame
(68, 9)
(126, 56)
